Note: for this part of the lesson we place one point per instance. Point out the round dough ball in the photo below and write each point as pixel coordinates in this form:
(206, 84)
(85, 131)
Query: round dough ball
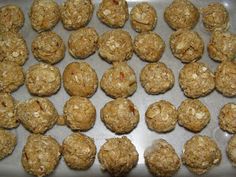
(119, 81)
(120, 115)
(37, 114)
(48, 47)
(11, 18)
(143, 17)
(11, 76)
(113, 13)
(149, 46)
(181, 14)
(157, 78)
(161, 159)
(231, 149)
(80, 79)
(83, 42)
(79, 151)
(115, 46)
(118, 156)
(7, 143)
(40, 155)
(76, 13)
(225, 78)
(200, 153)
(43, 79)
(227, 118)
(79, 113)
(196, 80)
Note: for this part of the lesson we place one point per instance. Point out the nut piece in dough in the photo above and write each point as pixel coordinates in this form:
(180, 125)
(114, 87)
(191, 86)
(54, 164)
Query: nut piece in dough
(76, 13)
(80, 79)
(83, 42)
(118, 156)
(115, 46)
(40, 155)
(43, 79)
(157, 78)
(196, 80)
(7, 143)
(79, 113)
(37, 114)
(119, 81)
(149, 46)
(200, 153)
(161, 159)
(231, 150)
(181, 14)
(120, 115)
(143, 17)
(113, 13)
(79, 151)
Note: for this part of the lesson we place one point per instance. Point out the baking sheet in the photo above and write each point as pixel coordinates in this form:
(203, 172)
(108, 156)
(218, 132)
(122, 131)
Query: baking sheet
(141, 137)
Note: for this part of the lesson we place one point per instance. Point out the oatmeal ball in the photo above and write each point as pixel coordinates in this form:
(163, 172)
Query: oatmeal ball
(181, 14)
(157, 78)
(196, 80)
(115, 46)
(40, 155)
(48, 47)
(225, 78)
(11, 76)
(44, 14)
(79, 151)
(7, 143)
(43, 79)
(118, 156)
(113, 13)
(119, 81)
(149, 46)
(200, 153)
(120, 115)
(76, 13)
(227, 118)
(231, 149)
(80, 79)
(83, 42)
(11, 18)
(79, 113)
(161, 159)
(37, 114)
(13, 48)
(143, 17)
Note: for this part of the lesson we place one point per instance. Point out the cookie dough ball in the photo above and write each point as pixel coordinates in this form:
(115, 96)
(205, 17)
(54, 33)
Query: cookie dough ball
(79, 113)
(11, 18)
(48, 47)
(40, 155)
(231, 149)
(7, 143)
(79, 151)
(120, 115)
(181, 14)
(149, 46)
(43, 79)
(115, 46)
(11, 76)
(119, 81)
(215, 17)
(157, 78)
(196, 80)
(83, 42)
(80, 79)
(143, 17)
(37, 114)
(118, 156)
(161, 159)
(225, 78)
(113, 13)
(76, 13)
(200, 153)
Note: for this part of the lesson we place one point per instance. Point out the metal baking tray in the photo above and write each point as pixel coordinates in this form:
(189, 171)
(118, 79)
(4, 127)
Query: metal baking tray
(141, 136)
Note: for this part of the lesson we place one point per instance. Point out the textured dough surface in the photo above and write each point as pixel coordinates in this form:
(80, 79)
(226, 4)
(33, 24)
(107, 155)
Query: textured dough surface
(7, 143)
